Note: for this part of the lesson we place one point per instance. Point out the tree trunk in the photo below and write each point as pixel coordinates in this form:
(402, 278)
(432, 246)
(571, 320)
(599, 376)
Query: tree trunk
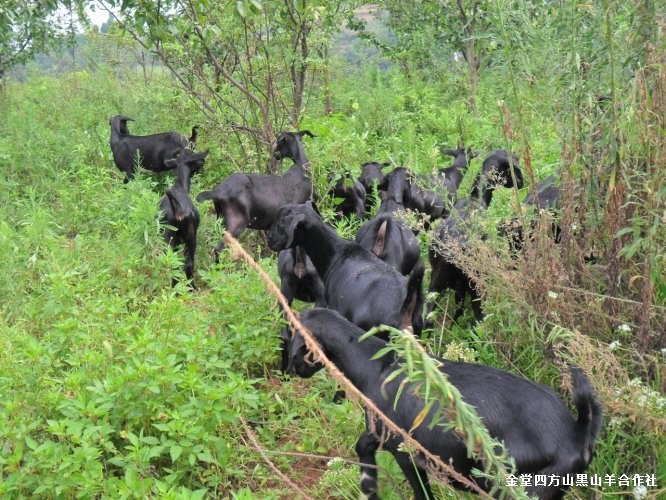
(327, 82)
(299, 67)
(473, 64)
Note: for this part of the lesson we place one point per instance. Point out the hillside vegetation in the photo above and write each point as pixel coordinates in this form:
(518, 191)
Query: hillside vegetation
(115, 384)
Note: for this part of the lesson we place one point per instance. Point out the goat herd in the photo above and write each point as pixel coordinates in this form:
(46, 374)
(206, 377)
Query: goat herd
(375, 280)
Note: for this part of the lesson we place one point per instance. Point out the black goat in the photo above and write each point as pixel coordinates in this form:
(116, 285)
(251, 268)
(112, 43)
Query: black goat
(387, 236)
(547, 194)
(371, 174)
(253, 200)
(435, 202)
(154, 150)
(450, 234)
(179, 214)
(451, 177)
(425, 200)
(547, 197)
(362, 287)
(298, 280)
(536, 428)
(351, 195)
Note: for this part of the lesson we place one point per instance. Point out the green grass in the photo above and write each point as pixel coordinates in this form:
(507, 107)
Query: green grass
(114, 384)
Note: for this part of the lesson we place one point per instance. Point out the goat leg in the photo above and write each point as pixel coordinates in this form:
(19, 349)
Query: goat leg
(190, 249)
(366, 448)
(476, 305)
(460, 303)
(417, 477)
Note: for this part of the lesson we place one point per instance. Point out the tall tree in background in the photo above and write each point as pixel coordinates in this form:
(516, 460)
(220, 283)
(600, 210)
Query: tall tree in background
(435, 33)
(30, 26)
(248, 63)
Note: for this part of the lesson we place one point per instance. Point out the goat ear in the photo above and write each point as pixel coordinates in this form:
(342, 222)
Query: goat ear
(385, 164)
(296, 344)
(201, 156)
(301, 133)
(414, 298)
(293, 223)
(407, 193)
(285, 334)
(171, 162)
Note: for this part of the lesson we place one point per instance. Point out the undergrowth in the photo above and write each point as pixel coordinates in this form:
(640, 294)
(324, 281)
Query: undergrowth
(114, 384)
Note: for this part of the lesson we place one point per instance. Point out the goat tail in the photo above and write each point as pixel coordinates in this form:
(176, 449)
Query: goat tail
(205, 195)
(192, 141)
(589, 411)
(412, 306)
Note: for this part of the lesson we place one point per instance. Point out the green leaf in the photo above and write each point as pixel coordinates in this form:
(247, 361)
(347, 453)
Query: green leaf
(175, 452)
(118, 461)
(151, 440)
(206, 457)
(32, 444)
(240, 7)
(133, 438)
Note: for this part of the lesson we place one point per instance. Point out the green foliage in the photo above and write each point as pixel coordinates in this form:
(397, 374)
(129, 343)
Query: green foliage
(114, 384)
(28, 27)
(119, 384)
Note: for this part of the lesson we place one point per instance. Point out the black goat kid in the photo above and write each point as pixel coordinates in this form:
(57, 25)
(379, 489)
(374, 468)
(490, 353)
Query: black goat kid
(154, 150)
(179, 214)
(252, 200)
(546, 197)
(451, 177)
(435, 202)
(363, 288)
(537, 429)
(371, 175)
(349, 196)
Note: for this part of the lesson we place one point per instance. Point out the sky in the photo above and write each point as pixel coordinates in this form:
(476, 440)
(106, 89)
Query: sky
(98, 17)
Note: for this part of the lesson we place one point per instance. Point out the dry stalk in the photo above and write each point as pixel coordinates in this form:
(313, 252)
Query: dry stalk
(436, 466)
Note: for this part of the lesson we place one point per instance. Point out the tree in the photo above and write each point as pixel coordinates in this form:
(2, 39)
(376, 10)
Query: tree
(434, 33)
(30, 26)
(247, 63)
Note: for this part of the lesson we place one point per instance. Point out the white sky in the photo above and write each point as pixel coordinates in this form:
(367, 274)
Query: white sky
(99, 16)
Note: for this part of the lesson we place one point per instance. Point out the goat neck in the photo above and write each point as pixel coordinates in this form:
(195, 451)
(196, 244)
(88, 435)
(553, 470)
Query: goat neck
(390, 205)
(183, 175)
(297, 154)
(453, 175)
(337, 337)
(322, 245)
(482, 190)
(397, 186)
